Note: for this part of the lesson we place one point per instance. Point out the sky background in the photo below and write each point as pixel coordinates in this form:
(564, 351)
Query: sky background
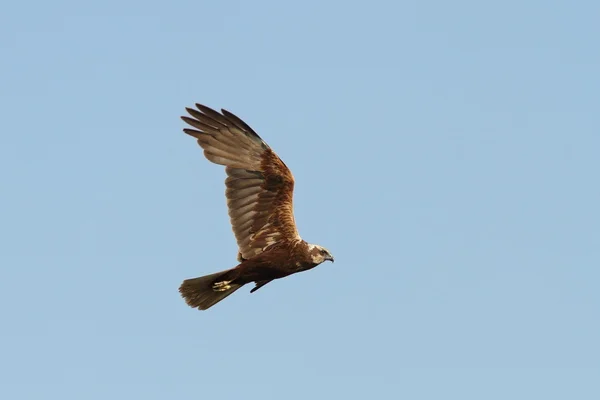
(447, 153)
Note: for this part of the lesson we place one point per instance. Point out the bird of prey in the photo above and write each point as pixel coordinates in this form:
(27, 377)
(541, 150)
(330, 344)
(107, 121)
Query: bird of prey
(259, 192)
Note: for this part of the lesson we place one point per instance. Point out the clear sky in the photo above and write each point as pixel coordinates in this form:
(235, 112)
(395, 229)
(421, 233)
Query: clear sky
(446, 152)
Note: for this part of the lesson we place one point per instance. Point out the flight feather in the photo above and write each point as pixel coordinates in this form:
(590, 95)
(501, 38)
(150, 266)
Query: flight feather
(259, 186)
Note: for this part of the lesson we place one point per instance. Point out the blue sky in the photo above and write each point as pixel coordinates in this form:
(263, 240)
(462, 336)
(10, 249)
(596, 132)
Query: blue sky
(445, 152)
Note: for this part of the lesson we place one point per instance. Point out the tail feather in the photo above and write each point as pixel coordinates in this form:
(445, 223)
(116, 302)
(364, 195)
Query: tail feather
(199, 292)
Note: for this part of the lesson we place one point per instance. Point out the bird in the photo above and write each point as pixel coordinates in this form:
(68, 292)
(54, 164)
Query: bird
(259, 194)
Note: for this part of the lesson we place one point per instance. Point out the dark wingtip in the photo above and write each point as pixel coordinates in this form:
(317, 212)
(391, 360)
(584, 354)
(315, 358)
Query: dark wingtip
(205, 109)
(192, 132)
(237, 121)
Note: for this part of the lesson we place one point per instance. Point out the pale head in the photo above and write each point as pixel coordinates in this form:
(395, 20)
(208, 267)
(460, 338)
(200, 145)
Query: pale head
(319, 254)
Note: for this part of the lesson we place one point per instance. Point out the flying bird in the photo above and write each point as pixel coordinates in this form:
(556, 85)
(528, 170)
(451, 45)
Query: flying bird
(259, 192)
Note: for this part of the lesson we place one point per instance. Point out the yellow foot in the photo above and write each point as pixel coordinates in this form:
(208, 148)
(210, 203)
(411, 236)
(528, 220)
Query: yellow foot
(221, 286)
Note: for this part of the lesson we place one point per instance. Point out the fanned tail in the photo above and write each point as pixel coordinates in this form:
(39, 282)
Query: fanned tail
(206, 291)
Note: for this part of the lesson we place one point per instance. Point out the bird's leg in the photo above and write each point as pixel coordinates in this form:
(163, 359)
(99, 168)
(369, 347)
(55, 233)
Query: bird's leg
(221, 286)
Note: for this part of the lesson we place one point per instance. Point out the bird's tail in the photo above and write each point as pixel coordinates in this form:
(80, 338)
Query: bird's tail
(206, 291)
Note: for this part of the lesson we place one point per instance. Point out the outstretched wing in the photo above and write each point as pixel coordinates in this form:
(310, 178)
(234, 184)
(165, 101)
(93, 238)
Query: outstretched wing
(259, 185)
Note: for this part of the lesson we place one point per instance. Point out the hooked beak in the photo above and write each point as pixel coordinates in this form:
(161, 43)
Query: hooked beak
(330, 258)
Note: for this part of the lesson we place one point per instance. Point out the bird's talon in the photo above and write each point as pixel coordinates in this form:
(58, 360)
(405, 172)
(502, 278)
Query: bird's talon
(221, 286)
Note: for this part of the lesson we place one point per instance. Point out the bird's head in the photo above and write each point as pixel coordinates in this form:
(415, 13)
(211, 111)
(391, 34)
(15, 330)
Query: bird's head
(319, 254)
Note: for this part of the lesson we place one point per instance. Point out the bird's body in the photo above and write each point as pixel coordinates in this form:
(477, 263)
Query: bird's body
(259, 198)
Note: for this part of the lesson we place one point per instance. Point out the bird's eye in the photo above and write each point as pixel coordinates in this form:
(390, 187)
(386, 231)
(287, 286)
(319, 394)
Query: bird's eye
(323, 251)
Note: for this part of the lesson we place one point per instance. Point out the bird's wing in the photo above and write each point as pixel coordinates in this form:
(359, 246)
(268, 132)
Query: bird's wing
(259, 185)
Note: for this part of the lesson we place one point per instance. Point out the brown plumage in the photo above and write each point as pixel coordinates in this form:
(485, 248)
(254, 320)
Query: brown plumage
(259, 196)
